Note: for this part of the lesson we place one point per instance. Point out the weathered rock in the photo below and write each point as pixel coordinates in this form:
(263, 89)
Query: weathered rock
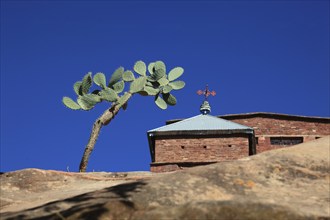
(30, 188)
(290, 183)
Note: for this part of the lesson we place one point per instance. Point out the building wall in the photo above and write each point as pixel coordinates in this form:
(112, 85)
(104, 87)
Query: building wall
(189, 149)
(175, 153)
(272, 128)
(185, 151)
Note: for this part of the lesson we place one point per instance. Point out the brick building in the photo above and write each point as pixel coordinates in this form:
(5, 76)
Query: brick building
(206, 139)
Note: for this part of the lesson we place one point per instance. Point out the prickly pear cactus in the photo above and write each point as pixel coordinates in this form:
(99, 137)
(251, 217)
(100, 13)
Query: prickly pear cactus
(154, 82)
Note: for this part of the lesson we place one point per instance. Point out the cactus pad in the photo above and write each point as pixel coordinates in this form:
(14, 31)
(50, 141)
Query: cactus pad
(77, 88)
(160, 65)
(177, 85)
(128, 76)
(138, 84)
(86, 83)
(92, 98)
(167, 89)
(68, 102)
(163, 81)
(116, 76)
(100, 80)
(151, 90)
(159, 70)
(86, 103)
(140, 68)
(169, 99)
(119, 86)
(160, 102)
(151, 68)
(175, 73)
(108, 94)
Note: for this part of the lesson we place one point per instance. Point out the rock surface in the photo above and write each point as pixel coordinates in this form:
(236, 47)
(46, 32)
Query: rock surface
(289, 183)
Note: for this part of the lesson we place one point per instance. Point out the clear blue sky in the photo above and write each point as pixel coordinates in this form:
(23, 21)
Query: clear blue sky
(269, 56)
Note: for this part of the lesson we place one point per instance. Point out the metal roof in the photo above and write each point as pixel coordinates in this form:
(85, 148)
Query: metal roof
(201, 123)
(266, 115)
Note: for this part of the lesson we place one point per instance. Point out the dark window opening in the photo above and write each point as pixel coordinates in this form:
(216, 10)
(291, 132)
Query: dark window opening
(229, 145)
(182, 147)
(205, 147)
(257, 140)
(317, 137)
(286, 140)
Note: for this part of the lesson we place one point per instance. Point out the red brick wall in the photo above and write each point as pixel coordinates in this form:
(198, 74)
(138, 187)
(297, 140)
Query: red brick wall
(169, 154)
(265, 128)
(189, 149)
(272, 126)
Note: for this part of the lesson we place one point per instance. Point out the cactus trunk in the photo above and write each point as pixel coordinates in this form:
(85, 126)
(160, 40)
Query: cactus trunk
(104, 119)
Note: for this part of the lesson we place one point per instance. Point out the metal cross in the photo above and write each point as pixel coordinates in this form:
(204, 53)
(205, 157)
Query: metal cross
(206, 92)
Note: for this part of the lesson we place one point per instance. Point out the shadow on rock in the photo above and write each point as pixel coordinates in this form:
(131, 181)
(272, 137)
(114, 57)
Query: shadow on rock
(91, 205)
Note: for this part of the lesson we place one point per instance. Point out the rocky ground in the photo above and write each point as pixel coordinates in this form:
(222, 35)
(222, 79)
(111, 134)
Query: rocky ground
(290, 183)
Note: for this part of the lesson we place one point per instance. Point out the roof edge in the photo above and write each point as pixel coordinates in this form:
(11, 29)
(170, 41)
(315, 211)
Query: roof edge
(264, 115)
(246, 131)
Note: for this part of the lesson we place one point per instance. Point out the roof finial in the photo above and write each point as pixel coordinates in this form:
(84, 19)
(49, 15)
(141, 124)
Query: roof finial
(205, 107)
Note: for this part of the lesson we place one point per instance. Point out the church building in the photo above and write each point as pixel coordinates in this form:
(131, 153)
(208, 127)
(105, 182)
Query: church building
(206, 139)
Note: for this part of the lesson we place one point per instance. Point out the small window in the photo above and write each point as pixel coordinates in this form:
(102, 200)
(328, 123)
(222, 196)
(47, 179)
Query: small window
(257, 140)
(286, 140)
(205, 147)
(182, 147)
(317, 137)
(229, 145)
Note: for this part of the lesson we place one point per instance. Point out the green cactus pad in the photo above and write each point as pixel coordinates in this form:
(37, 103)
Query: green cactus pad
(100, 80)
(116, 76)
(177, 85)
(140, 68)
(163, 81)
(77, 88)
(160, 102)
(86, 103)
(108, 94)
(68, 102)
(157, 76)
(149, 83)
(92, 98)
(160, 65)
(175, 73)
(167, 89)
(86, 83)
(138, 84)
(169, 99)
(128, 76)
(159, 70)
(151, 68)
(119, 86)
(151, 79)
(151, 90)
